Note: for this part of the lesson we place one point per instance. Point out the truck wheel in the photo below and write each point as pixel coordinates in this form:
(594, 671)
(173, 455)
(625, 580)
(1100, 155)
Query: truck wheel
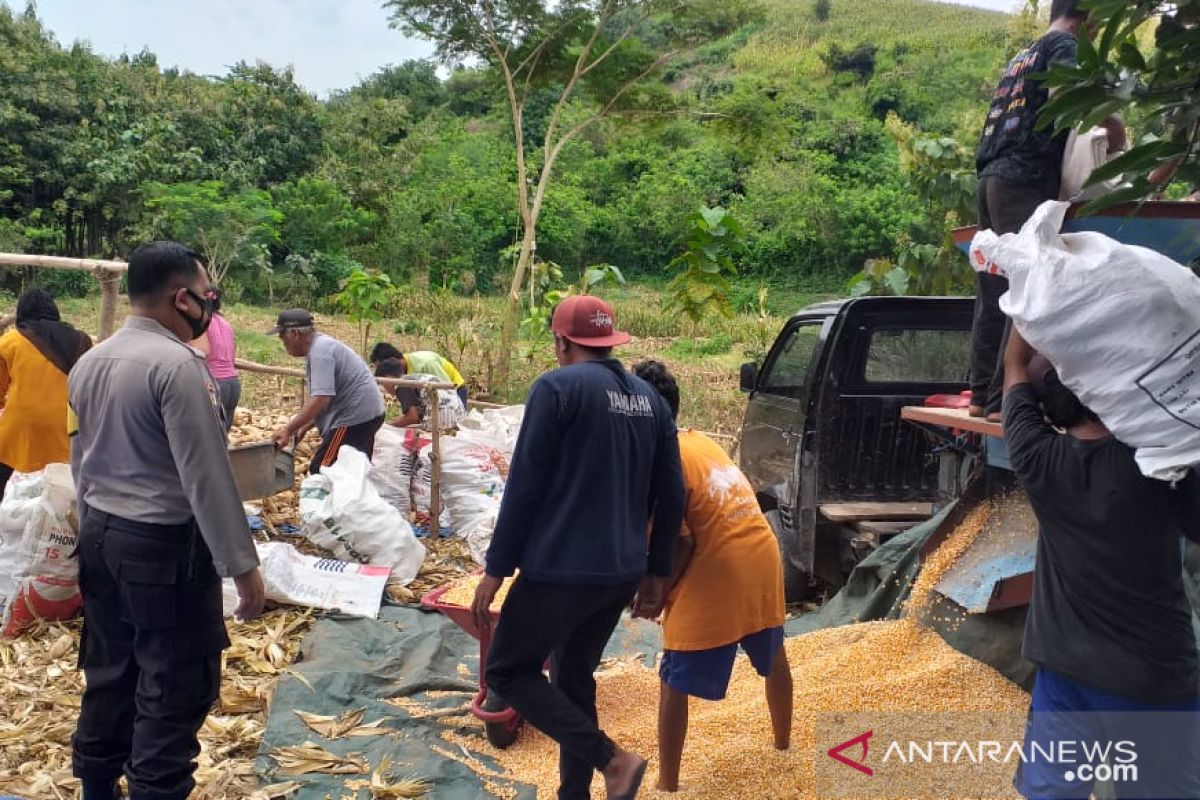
(799, 586)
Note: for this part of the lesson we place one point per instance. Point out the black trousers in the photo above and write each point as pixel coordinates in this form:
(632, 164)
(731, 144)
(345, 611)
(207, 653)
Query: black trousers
(231, 392)
(360, 437)
(151, 652)
(1003, 207)
(570, 625)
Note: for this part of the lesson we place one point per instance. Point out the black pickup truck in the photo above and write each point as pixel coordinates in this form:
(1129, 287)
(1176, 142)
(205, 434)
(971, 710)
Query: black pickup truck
(834, 467)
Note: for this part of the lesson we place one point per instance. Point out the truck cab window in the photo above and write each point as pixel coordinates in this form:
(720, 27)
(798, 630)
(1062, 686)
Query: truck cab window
(918, 356)
(786, 372)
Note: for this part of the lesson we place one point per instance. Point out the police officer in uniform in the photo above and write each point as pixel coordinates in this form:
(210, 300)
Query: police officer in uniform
(161, 523)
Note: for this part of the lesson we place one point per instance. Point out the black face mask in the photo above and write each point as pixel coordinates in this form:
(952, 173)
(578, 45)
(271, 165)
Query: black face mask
(199, 324)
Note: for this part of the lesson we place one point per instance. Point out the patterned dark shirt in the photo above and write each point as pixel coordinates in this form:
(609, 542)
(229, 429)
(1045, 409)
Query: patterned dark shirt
(1012, 148)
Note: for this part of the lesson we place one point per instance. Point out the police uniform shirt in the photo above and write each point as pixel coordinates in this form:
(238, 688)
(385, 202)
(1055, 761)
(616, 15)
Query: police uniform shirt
(148, 444)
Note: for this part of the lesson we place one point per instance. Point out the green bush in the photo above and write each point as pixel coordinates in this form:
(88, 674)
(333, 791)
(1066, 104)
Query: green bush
(691, 348)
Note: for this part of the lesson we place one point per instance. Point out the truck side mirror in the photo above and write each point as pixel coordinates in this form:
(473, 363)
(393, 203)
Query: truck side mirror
(749, 377)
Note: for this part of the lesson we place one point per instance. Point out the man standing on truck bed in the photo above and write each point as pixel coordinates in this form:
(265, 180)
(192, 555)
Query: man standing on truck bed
(726, 542)
(343, 399)
(596, 458)
(1109, 625)
(160, 521)
(1020, 167)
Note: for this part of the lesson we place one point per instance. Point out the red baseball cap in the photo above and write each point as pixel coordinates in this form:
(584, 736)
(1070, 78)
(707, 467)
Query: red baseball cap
(587, 321)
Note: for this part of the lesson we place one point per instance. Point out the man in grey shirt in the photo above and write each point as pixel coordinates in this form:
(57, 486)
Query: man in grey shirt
(344, 402)
(161, 523)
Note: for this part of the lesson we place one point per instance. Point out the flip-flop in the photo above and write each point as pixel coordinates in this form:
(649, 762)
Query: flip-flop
(637, 783)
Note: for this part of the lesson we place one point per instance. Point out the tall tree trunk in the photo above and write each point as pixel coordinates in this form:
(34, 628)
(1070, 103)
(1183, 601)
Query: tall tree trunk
(512, 309)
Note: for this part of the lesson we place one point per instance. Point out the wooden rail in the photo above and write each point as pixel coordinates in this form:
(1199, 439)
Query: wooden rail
(435, 427)
(108, 273)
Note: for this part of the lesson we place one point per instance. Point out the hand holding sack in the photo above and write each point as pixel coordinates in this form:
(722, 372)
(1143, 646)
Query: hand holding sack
(1120, 323)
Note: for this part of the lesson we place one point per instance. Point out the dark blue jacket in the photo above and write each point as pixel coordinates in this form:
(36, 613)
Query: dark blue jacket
(596, 459)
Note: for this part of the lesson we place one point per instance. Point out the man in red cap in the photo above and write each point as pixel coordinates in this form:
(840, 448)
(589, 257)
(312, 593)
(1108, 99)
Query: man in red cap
(596, 459)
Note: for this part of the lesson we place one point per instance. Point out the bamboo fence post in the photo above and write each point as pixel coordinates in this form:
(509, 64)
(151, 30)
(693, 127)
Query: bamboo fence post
(110, 284)
(435, 464)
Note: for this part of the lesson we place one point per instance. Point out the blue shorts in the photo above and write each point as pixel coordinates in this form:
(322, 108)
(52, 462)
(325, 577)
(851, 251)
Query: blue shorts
(1153, 747)
(706, 673)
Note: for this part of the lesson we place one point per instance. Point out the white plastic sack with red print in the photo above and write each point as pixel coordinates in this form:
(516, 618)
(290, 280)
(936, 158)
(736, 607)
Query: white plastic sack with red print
(342, 512)
(1120, 323)
(39, 573)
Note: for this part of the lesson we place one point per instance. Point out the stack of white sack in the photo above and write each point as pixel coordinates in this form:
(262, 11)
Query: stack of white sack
(497, 428)
(1120, 323)
(473, 477)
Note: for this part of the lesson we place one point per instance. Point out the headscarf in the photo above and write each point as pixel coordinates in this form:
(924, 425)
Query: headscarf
(38, 321)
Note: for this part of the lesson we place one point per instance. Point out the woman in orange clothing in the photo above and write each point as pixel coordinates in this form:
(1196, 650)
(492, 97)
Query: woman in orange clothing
(34, 362)
(725, 592)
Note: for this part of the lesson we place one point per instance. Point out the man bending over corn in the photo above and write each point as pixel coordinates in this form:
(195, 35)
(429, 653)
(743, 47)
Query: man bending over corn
(726, 543)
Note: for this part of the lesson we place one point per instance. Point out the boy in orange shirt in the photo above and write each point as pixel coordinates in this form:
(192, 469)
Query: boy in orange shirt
(727, 543)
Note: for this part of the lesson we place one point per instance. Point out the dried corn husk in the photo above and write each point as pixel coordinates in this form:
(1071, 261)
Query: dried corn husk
(383, 787)
(344, 725)
(307, 758)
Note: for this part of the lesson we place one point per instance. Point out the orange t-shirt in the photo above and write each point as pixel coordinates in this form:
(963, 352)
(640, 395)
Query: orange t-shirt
(733, 586)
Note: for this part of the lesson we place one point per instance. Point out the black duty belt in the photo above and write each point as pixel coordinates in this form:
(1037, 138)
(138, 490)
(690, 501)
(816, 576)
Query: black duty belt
(172, 532)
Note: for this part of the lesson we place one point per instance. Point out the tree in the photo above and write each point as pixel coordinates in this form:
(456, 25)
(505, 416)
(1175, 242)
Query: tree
(271, 127)
(365, 296)
(942, 173)
(317, 217)
(597, 55)
(225, 228)
(1120, 74)
(701, 286)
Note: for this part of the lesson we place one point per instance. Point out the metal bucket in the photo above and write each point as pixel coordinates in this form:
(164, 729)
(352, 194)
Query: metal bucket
(260, 470)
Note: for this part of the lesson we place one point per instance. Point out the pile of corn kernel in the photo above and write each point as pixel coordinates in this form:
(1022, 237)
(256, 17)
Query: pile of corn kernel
(892, 666)
(875, 666)
(463, 592)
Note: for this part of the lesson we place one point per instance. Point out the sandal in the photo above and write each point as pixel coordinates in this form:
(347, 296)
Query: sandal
(637, 783)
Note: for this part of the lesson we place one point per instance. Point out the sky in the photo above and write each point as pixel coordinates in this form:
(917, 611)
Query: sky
(331, 44)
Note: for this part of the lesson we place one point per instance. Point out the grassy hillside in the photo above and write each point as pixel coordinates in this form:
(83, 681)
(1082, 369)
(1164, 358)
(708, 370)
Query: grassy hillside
(792, 36)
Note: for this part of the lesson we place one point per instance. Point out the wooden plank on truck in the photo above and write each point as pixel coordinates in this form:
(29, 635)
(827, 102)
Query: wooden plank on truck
(848, 513)
(954, 418)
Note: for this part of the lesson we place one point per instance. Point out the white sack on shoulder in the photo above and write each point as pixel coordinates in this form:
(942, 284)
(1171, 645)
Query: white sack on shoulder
(1120, 323)
(342, 512)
